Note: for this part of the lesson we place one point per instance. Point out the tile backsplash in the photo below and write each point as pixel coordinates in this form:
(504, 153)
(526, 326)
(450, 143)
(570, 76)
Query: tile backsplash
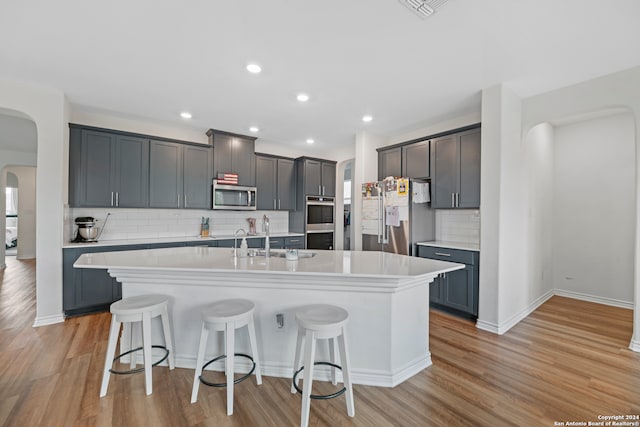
(163, 223)
(458, 225)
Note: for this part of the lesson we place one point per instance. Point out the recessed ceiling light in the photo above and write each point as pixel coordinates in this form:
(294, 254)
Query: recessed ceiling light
(185, 115)
(302, 97)
(367, 119)
(254, 129)
(310, 141)
(254, 68)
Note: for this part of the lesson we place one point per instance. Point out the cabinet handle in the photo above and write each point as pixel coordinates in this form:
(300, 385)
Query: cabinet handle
(457, 200)
(178, 200)
(112, 198)
(319, 190)
(323, 190)
(278, 204)
(274, 203)
(185, 200)
(117, 198)
(453, 200)
(442, 254)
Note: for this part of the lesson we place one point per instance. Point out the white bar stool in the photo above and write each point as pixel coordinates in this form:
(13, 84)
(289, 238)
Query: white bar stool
(321, 321)
(227, 316)
(141, 308)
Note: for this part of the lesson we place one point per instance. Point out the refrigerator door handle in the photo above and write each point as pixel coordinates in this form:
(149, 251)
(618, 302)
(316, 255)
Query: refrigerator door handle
(383, 215)
(380, 219)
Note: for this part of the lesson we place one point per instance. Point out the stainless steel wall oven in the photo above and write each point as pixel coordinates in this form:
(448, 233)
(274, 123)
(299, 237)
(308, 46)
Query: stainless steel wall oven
(320, 222)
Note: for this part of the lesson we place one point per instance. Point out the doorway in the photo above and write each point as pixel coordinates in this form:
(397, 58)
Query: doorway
(11, 215)
(346, 214)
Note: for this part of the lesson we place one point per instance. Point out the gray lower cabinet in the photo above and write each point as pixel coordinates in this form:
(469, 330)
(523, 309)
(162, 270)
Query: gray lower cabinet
(275, 182)
(457, 290)
(107, 169)
(179, 175)
(456, 163)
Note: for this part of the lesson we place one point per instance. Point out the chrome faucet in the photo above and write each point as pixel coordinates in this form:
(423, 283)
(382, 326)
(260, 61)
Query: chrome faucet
(235, 240)
(265, 228)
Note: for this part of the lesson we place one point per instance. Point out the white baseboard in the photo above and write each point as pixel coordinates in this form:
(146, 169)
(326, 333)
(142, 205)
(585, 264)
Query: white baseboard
(48, 320)
(503, 327)
(635, 346)
(593, 298)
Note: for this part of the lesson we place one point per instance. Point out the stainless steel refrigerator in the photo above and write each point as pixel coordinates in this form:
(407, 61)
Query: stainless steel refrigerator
(396, 214)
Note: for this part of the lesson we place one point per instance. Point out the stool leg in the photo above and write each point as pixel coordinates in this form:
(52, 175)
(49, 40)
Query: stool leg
(202, 347)
(309, 355)
(296, 359)
(332, 355)
(230, 333)
(346, 373)
(146, 349)
(111, 352)
(254, 349)
(127, 332)
(166, 329)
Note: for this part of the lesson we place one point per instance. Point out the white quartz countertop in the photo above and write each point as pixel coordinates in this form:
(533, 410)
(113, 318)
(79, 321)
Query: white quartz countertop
(152, 240)
(350, 264)
(451, 245)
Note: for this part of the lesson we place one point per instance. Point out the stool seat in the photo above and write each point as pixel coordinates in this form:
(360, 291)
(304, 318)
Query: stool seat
(226, 316)
(142, 309)
(227, 311)
(315, 322)
(138, 304)
(319, 317)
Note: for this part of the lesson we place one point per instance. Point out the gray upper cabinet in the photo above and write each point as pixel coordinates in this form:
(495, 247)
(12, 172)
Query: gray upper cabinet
(275, 179)
(165, 175)
(456, 163)
(389, 162)
(179, 175)
(411, 160)
(107, 169)
(234, 153)
(196, 177)
(318, 176)
(415, 160)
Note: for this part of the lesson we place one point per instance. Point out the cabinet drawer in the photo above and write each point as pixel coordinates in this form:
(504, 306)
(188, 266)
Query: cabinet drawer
(446, 254)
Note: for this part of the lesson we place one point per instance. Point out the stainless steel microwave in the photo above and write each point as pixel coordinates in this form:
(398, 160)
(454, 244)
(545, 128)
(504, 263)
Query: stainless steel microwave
(233, 197)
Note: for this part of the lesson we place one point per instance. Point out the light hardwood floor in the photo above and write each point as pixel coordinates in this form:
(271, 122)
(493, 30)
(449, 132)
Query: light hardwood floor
(568, 361)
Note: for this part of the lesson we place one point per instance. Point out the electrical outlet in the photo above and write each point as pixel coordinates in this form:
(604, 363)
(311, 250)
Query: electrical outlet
(280, 321)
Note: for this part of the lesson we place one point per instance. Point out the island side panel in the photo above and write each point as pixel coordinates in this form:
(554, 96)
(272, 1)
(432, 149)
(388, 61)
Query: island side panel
(387, 331)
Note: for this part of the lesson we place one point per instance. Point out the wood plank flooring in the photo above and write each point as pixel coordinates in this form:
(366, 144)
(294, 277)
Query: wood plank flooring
(568, 361)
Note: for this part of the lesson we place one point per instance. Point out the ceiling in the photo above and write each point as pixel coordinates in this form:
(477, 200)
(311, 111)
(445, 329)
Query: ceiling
(154, 59)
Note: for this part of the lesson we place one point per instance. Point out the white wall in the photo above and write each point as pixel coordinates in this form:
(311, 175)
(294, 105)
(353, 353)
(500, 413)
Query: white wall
(26, 210)
(594, 209)
(539, 143)
(49, 110)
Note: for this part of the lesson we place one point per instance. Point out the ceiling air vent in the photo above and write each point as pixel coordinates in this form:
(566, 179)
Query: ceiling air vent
(423, 8)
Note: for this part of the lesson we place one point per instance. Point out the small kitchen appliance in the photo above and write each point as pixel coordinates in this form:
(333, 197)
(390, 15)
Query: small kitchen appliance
(87, 230)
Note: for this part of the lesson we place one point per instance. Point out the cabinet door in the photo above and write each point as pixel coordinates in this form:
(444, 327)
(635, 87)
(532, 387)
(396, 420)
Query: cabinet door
(222, 154)
(196, 177)
(435, 290)
(266, 182)
(415, 160)
(446, 173)
(98, 152)
(294, 242)
(312, 177)
(131, 173)
(286, 184)
(390, 163)
(243, 161)
(328, 179)
(458, 290)
(469, 170)
(165, 174)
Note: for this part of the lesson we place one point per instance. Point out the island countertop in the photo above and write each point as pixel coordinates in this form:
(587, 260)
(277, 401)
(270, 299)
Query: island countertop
(365, 264)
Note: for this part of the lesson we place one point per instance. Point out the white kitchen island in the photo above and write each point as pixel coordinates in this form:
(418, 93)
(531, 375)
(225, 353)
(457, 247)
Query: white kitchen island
(386, 295)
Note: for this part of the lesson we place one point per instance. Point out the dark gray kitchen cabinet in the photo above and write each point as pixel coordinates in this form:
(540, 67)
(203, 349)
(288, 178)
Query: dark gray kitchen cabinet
(107, 169)
(456, 177)
(389, 162)
(179, 175)
(457, 290)
(86, 290)
(416, 160)
(234, 153)
(275, 182)
(316, 176)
